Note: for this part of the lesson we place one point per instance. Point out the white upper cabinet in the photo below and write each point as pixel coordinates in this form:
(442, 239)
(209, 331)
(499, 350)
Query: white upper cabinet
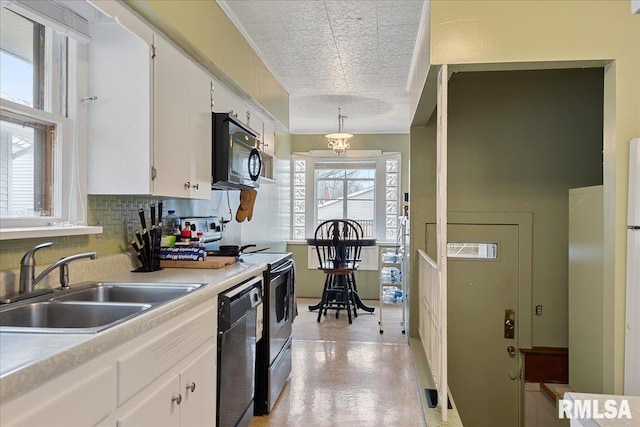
(201, 123)
(223, 99)
(182, 119)
(150, 123)
(268, 139)
(119, 131)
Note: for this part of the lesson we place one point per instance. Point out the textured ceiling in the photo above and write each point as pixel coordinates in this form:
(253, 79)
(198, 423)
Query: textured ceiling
(327, 54)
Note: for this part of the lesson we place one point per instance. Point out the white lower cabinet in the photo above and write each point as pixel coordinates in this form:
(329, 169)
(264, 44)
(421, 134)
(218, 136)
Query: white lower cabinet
(158, 409)
(65, 402)
(185, 399)
(164, 377)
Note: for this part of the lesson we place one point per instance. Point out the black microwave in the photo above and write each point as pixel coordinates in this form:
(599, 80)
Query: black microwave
(236, 158)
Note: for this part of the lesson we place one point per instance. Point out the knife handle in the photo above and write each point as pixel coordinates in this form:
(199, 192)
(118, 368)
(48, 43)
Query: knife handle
(139, 253)
(143, 222)
(153, 214)
(159, 212)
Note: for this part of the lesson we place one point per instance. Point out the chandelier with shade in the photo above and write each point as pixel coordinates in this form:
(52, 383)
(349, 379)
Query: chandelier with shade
(339, 142)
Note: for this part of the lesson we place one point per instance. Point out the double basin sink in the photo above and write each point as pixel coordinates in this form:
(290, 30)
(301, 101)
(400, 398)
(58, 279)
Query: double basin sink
(88, 309)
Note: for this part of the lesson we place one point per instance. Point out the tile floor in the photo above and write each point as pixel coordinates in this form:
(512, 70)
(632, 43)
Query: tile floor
(348, 374)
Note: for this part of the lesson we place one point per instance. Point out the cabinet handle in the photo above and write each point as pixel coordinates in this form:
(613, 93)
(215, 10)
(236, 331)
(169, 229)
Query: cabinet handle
(191, 387)
(196, 186)
(187, 185)
(177, 399)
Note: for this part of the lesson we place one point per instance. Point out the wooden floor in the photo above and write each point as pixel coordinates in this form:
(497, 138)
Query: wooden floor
(348, 375)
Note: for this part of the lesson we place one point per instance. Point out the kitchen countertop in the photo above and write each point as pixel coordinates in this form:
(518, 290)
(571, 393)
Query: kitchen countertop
(29, 359)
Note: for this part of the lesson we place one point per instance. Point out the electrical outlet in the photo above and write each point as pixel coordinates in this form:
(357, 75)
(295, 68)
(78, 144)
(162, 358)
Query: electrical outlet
(129, 233)
(538, 310)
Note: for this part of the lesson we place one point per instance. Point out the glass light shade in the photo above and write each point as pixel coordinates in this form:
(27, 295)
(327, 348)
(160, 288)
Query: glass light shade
(339, 142)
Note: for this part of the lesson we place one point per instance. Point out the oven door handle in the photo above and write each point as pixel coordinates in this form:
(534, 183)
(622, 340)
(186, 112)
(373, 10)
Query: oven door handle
(284, 268)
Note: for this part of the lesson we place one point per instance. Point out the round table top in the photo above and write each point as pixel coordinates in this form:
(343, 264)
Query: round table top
(363, 242)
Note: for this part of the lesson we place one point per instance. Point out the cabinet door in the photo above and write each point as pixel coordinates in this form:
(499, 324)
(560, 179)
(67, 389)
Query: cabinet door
(120, 118)
(172, 147)
(268, 139)
(200, 124)
(222, 98)
(160, 409)
(198, 381)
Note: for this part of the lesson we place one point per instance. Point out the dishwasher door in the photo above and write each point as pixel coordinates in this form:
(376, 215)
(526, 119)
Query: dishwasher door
(237, 315)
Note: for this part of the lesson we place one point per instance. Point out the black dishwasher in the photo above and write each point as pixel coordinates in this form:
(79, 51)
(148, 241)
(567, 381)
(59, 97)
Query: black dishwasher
(237, 331)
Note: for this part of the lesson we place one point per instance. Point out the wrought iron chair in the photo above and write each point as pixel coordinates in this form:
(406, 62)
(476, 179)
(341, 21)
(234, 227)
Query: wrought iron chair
(337, 244)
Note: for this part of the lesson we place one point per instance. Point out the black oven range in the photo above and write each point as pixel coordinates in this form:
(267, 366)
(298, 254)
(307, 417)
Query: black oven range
(273, 352)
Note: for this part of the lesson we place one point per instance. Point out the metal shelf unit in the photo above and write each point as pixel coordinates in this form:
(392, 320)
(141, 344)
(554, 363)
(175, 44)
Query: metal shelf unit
(392, 288)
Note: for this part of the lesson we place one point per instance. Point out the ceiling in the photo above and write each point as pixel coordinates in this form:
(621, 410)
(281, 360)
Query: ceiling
(355, 55)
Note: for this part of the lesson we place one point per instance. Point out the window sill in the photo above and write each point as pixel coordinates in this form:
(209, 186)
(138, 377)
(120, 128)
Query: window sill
(55, 231)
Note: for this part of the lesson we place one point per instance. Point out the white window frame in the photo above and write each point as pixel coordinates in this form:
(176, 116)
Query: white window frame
(324, 156)
(70, 194)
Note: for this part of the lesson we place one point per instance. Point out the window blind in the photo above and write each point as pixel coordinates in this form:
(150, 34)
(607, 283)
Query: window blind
(53, 14)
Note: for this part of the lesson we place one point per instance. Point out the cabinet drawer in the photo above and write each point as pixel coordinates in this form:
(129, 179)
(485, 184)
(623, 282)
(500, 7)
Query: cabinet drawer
(81, 398)
(140, 367)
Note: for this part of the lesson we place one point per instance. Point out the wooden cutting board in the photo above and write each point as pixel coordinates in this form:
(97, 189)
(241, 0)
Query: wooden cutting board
(210, 262)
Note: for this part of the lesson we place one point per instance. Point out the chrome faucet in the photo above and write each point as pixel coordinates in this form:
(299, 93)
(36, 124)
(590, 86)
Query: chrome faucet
(28, 281)
(28, 268)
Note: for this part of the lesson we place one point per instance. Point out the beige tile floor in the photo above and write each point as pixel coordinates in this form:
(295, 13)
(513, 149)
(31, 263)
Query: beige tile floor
(348, 374)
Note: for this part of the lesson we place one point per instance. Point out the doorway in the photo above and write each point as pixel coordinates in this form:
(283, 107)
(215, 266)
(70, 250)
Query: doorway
(483, 279)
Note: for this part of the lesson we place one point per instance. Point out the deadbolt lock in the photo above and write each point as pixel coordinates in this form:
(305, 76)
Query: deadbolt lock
(509, 323)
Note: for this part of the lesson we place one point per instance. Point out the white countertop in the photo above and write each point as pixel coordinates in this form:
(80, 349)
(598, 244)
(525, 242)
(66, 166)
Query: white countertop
(29, 359)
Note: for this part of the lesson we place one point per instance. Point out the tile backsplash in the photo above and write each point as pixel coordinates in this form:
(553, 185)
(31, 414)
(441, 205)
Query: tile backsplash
(111, 212)
(269, 226)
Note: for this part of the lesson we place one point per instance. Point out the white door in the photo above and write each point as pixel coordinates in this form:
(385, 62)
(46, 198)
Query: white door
(172, 145)
(632, 330)
(198, 382)
(160, 409)
(200, 125)
(482, 286)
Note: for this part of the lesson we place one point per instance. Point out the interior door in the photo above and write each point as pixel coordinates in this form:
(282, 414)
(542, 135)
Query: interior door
(483, 367)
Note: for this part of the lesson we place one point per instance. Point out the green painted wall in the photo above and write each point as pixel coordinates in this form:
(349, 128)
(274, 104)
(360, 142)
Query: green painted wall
(309, 281)
(531, 34)
(517, 142)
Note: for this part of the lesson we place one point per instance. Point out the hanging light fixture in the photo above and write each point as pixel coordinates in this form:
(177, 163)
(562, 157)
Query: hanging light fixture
(339, 142)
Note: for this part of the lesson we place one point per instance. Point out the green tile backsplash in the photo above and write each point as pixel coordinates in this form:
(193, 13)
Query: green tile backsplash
(111, 212)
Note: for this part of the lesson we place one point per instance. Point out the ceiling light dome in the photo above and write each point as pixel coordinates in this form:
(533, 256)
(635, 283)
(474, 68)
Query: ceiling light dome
(339, 142)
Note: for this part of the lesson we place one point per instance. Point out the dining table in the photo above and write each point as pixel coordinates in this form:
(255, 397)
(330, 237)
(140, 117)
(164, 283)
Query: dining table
(362, 242)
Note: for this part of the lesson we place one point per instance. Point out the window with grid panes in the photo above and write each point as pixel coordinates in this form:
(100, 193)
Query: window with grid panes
(365, 189)
(38, 46)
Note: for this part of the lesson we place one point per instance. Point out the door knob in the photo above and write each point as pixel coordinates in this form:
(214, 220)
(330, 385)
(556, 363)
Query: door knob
(177, 399)
(191, 387)
(511, 350)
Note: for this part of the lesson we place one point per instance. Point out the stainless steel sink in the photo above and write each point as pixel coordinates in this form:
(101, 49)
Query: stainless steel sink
(88, 309)
(66, 317)
(126, 292)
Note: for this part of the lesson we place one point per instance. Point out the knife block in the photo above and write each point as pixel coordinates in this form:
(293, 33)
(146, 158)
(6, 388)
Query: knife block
(151, 253)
